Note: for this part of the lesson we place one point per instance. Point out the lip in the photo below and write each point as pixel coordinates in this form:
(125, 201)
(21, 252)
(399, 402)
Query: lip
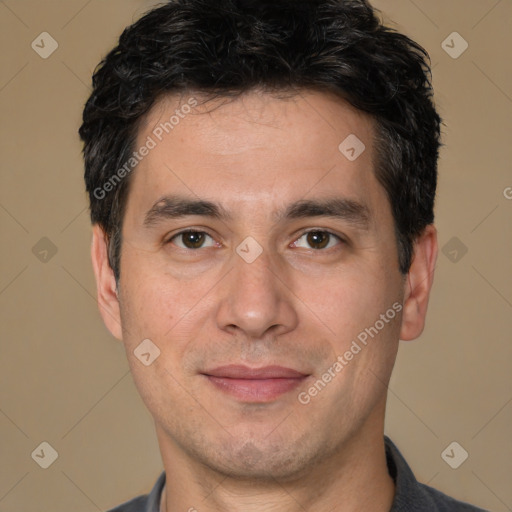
(256, 385)
(239, 371)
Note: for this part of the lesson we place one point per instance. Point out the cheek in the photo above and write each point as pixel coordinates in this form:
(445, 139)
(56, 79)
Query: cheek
(349, 301)
(145, 308)
(156, 305)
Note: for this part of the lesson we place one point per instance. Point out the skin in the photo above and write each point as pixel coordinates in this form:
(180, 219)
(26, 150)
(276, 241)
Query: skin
(296, 305)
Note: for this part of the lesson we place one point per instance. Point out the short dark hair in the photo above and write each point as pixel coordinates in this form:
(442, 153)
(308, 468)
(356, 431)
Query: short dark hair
(228, 47)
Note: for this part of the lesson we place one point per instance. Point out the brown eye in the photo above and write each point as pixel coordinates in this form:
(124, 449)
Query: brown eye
(318, 239)
(190, 239)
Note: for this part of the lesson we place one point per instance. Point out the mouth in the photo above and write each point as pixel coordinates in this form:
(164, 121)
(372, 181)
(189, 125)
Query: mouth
(256, 385)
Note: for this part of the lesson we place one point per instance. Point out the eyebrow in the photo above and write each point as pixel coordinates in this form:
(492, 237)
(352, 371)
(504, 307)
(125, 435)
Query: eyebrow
(174, 207)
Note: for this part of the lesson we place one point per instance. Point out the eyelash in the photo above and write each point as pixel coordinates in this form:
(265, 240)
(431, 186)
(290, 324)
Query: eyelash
(314, 230)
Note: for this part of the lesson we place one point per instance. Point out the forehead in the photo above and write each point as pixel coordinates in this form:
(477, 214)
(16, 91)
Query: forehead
(255, 151)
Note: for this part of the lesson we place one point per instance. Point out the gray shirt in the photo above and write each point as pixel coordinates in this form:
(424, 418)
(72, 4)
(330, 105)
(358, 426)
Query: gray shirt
(410, 495)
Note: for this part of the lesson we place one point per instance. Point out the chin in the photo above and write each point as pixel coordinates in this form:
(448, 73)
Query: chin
(262, 461)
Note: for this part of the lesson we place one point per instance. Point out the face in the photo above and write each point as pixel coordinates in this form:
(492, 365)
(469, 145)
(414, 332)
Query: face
(261, 261)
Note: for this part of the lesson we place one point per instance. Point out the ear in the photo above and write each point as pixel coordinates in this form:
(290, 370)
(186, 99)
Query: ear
(106, 287)
(418, 284)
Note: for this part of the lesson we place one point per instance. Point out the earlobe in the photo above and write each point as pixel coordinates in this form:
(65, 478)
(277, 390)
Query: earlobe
(107, 293)
(418, 284)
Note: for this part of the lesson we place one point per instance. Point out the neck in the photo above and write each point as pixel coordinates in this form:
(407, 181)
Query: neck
(354, 478)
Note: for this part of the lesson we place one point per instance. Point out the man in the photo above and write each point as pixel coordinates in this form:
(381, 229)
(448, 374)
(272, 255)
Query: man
(262, 179)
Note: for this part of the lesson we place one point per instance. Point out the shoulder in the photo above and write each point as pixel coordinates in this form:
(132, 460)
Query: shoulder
(145, 502)
(138, 504)
(413, 496)
(440, 502)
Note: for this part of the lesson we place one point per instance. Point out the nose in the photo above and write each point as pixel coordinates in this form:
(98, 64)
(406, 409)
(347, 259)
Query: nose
(256, 299)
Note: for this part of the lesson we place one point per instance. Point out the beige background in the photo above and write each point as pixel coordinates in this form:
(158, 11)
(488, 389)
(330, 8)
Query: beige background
(65, 380)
